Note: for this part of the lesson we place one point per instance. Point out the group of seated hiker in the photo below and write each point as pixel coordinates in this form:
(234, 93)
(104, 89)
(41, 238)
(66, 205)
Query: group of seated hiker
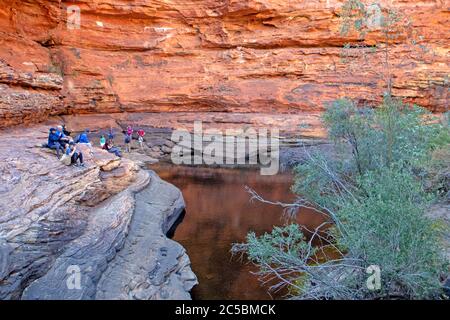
(109, 146)
(60, 140)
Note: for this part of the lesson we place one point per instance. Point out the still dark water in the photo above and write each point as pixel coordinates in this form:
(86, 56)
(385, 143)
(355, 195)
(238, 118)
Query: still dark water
(218, 214)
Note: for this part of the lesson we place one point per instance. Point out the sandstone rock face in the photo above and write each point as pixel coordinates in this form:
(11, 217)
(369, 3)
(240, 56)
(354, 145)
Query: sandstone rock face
(231, 56)
(57, 220)
(150, 266)
(308, 124)
(28, 97)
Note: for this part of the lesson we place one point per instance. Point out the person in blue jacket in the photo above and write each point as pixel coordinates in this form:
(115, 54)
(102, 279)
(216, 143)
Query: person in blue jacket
(54, 141)
(83, 138)
(63, 138)
(59, 131)
(72, 155)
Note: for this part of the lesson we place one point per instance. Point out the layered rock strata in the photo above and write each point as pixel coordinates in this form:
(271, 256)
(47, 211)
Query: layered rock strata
(60, 225)
(252, 56)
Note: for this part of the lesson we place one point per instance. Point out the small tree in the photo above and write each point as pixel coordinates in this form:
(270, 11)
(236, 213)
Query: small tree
(373, 194)
(373, 191)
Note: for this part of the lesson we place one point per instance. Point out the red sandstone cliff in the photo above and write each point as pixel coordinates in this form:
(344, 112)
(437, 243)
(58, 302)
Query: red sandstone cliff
(203, 55)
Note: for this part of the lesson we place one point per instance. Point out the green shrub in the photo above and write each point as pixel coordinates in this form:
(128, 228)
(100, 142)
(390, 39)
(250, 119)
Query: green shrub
(386, 226)
(374, 192)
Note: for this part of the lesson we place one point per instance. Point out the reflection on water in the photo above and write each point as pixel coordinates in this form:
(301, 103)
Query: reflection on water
(218, 214)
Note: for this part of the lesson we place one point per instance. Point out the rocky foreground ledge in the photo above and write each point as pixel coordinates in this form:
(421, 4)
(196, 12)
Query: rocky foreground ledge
(97, 232)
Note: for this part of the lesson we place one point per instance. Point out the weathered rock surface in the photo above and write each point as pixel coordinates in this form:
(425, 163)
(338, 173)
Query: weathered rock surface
(89, 253)
(54, 218)
(294, 131)
(150, 266)
(307, 124)
(254, 56)
(27, 96)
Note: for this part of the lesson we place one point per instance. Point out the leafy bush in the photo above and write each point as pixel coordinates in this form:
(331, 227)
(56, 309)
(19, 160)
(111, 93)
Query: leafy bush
(386, 226)
(374, 192)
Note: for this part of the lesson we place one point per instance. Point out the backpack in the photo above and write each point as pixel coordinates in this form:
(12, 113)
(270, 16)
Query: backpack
(66, 159)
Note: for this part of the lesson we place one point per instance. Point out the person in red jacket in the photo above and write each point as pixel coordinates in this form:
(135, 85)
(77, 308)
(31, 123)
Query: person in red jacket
(141, 134)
